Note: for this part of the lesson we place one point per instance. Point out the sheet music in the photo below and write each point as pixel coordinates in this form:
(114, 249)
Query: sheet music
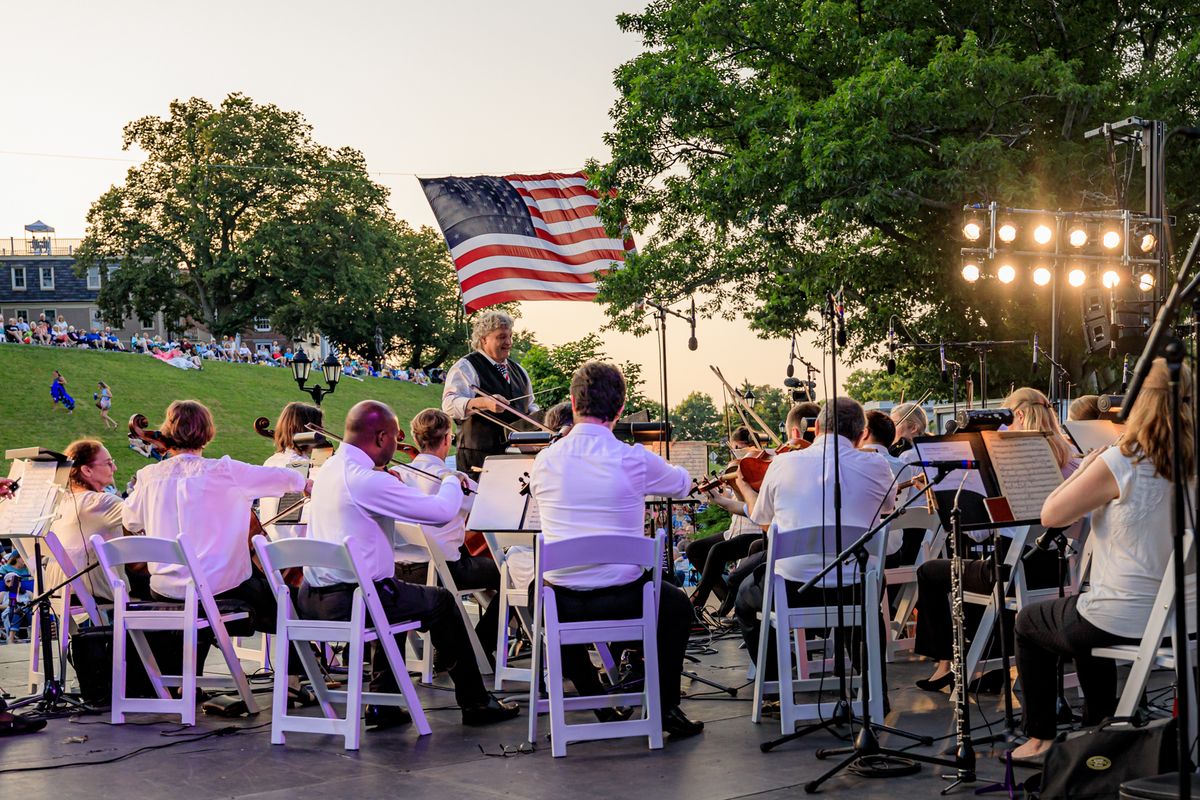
(34, 503)
(533, 515)
(1093, 434)
(1025, 469)
(499, 504)
(951, 451)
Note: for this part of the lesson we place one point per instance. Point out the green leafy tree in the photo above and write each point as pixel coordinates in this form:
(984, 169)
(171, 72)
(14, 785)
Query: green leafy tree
(696, 419)
(236, 213)
(550, 370)
(781, 149)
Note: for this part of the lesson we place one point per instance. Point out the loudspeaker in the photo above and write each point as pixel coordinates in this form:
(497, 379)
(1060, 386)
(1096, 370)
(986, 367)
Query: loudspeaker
(1128, 326)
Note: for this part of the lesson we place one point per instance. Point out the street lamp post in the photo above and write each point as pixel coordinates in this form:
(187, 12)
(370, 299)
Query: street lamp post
(302, 366)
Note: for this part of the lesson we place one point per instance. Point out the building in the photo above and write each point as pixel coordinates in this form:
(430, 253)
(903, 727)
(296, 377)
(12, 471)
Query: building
(37, 276)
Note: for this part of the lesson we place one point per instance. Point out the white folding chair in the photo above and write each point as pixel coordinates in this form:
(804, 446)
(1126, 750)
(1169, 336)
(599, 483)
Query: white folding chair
(783, 622)
(1151, 652)
(368, 623)
(438, 574)
(512, 597)
(902, 581)
(73, 603)
(137, 618)
(550, 635)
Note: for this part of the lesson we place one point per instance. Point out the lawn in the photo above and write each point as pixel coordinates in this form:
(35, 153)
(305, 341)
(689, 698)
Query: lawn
(236, 393)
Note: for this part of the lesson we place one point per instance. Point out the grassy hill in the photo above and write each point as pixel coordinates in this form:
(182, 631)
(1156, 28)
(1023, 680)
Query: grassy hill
(236, 393)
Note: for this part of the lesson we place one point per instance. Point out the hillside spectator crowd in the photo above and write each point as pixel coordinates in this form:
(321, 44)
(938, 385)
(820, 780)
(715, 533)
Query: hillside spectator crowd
(187, 354)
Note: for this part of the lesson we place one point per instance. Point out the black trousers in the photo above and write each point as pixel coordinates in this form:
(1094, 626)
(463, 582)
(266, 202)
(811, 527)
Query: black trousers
(910, 548)
(625, 602)
(1050, 630)
(934, 631)
(710, 554)
(432, 606)
(469, 572)
(749, 605)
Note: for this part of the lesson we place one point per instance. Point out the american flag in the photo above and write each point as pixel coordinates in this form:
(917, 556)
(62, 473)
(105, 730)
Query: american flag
(523, 237)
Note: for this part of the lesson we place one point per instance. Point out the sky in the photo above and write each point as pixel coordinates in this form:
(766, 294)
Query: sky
(429, 89)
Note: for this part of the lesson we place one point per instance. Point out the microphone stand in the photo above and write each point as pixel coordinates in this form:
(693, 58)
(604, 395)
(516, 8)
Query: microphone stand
(1058, 374)
(866, 743)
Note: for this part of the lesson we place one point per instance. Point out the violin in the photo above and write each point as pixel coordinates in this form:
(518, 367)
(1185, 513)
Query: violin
(262, 426)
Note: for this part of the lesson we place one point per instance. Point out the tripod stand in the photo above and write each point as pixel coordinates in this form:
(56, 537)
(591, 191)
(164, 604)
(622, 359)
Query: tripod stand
(52, 701)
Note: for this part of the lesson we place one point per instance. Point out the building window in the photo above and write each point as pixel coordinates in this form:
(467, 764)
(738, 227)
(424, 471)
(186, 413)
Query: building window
(148, 325)
(50, 314)
(93, 278)
(47, 278)
(97, 317)
(18, 279)
(23, 314)
(262, 324)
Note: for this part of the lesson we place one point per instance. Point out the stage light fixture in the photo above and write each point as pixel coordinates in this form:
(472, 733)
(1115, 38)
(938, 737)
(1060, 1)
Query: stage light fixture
(1078, 236)
(1148, 241)
(1077, 277)
(1111, 279)
(1007, 232)
(1006, 273)
(1111, 239)
(1041, 276)
(970, 272)
(1042, 234)
(1146, 281)
(972, 230)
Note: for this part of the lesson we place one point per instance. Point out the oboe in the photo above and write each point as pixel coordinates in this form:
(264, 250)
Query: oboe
(964, 755)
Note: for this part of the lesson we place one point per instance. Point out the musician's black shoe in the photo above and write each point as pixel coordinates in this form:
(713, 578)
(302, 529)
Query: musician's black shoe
(936, 684)
(491, 712)
(381, 718)
(676, 724)
(613, 714)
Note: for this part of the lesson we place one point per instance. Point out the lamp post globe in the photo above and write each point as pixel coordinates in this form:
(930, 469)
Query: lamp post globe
(301, 366)
(332, 369)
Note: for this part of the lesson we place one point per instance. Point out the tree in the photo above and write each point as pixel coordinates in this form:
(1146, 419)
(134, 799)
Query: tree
(696, 419)
(781, 149)
(238, 213)
(550, 370)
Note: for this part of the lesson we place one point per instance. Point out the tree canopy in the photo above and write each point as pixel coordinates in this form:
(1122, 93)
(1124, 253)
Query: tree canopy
(777, 150)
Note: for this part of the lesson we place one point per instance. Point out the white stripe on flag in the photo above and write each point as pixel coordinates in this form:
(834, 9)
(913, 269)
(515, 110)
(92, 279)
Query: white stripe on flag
(515, 240)
(525, 285)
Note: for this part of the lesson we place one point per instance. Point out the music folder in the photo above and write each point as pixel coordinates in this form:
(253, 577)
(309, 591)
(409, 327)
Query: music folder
(500, 504)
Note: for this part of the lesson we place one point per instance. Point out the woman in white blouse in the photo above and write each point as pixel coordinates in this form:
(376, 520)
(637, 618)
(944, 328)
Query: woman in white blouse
(293, 420)
(1127, 489)
(87, 510)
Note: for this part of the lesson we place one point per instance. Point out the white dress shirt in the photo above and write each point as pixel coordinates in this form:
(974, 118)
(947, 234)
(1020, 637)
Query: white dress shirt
(269, 506)
(350, 498)
(82, 515)
(797, 492)
(589, 482)
(459, 389)
(210, 500)
(448, 537)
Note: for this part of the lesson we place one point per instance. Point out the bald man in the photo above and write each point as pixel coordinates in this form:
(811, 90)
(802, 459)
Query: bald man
(353, 496)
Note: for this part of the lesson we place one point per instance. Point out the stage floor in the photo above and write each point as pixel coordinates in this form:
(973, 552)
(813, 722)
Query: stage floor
(724, 762)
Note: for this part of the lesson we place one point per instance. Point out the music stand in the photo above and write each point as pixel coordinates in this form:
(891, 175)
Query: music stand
(43, 478)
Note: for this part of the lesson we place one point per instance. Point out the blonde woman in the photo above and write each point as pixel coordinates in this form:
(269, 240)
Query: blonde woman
(1127, 489)
(1031, 412)
(103, 398)
(293, 420)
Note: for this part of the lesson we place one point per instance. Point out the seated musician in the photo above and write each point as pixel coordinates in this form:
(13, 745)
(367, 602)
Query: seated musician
(1086, 406)
(487, 368)
(590, 482)
(1031, 412)
(903, 546)
(796, 493)
(800, 426)
(430, 429)
(911, 422)
(1127, 489)
(353, 496)
(559, 417)
(210, 499)
(293, 420)
(87, 510)
(710, 554)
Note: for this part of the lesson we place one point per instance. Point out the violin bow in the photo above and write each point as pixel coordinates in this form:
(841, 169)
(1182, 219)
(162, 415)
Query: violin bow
(510, 409)
(330, 434)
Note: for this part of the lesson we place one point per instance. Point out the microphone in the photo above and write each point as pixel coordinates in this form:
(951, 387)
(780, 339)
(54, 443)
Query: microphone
(1124, 373)
(791, 369)
(945, 464)
(1035, 353)
(692, 343)
(1048, 538)
(891, 359)
(942, 356)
